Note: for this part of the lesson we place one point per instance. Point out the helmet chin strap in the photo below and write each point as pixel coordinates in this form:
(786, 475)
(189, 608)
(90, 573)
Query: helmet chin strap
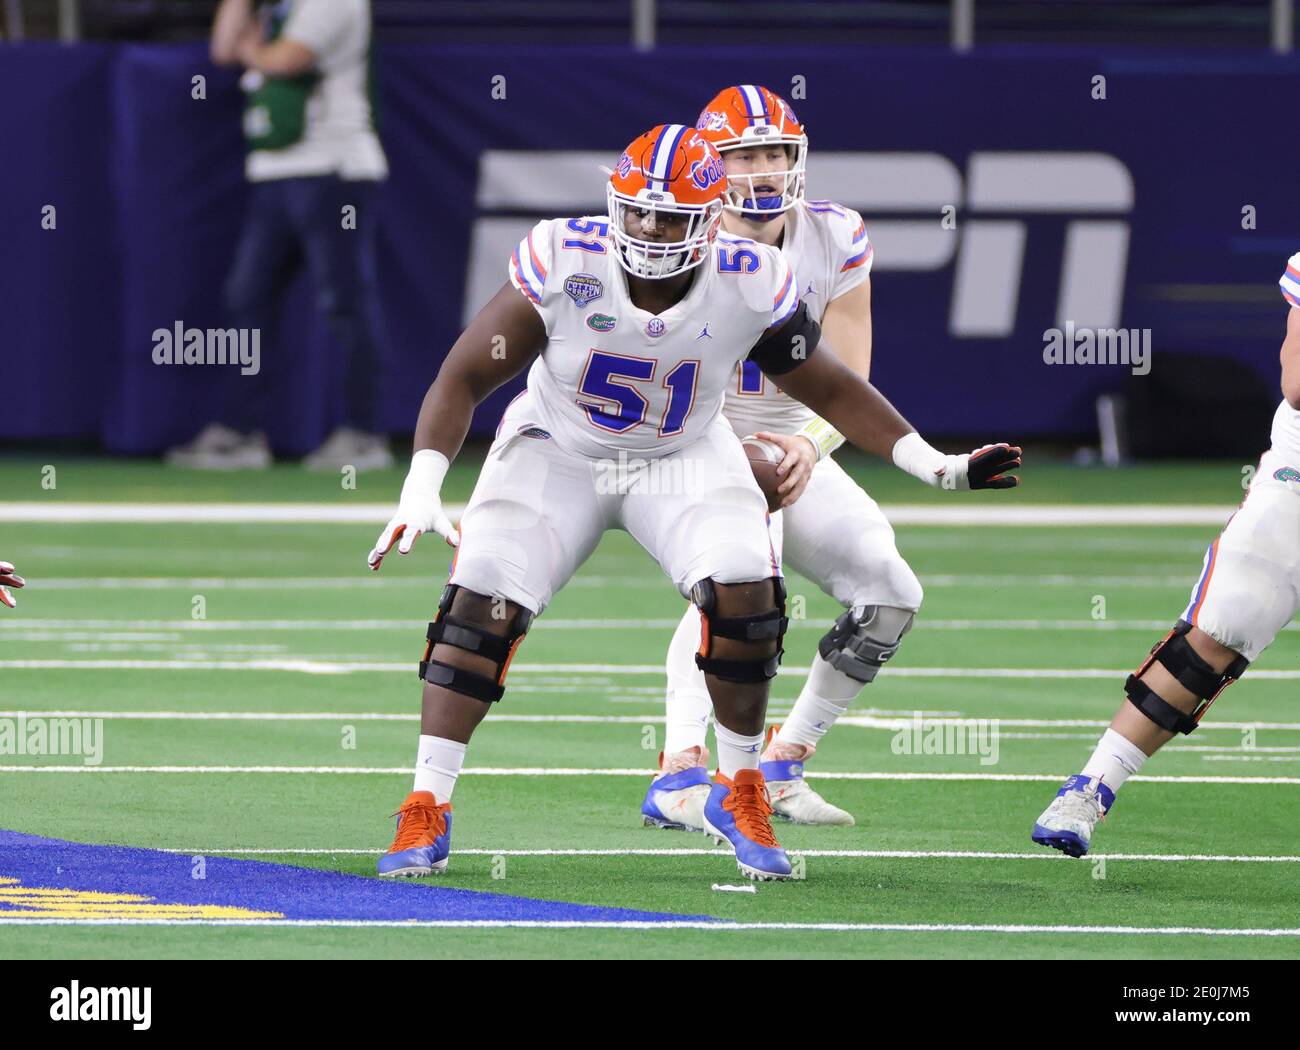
(652, 268)
(765, 209)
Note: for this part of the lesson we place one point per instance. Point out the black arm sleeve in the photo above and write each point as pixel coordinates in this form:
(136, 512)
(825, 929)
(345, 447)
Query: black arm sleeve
(781, 350)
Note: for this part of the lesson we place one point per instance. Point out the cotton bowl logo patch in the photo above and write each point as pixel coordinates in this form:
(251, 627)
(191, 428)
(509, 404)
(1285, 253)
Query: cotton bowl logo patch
(583, 288)
(655, 328)
(1287, 474)
(601, 322)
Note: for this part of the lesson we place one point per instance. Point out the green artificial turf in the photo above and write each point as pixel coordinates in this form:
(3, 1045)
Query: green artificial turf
(996, 599)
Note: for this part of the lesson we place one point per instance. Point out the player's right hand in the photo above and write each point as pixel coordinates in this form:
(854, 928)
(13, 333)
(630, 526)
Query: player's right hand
(418, 511)
(989, 467)
(795, 467)
(12, 579)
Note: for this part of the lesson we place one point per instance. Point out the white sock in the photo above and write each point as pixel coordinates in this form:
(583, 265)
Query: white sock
(1115, 760)
(689, 705)
(735, 750)
(826, 695)
(438, 765)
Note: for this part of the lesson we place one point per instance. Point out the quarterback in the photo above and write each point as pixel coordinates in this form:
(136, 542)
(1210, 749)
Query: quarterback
(834, 534)
(1249, 589)
(631, 325)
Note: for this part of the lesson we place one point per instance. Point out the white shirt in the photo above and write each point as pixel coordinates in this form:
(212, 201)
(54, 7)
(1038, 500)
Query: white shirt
(339, 136)
(615, 377)
(1286, 420)
(827, 247)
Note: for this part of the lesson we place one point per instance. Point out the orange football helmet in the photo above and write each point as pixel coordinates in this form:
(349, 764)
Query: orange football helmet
(671, 170)
(747, 115)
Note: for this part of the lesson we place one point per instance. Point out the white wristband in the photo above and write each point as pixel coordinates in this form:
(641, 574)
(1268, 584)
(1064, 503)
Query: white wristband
(824, 437)
(919, 458)
(428, 469)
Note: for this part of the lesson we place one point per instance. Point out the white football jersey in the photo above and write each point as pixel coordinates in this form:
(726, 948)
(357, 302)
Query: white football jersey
(615, 377)
(827, 247)
(1286, 421)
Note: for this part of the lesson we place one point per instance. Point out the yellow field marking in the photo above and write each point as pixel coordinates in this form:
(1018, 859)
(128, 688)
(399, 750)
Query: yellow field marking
(54, 902)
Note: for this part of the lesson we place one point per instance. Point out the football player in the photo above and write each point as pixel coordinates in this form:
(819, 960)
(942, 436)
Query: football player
(631, 325)
(1249, 589)
(9, 578)
(835, 534)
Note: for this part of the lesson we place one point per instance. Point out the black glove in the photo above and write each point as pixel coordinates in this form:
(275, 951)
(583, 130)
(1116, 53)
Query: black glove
(987, 467)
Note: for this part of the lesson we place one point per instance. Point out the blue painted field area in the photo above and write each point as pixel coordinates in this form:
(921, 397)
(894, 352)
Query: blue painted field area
(50, 879)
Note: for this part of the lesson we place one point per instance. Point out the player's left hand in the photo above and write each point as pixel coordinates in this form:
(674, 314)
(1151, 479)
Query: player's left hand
(12, 579)
(795, 468)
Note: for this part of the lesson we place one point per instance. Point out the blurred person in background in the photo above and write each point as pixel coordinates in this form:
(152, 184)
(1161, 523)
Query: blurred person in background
(313, 151)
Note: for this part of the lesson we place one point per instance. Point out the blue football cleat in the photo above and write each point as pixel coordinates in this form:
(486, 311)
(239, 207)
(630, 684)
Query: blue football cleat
(1068, 823)
(423, 840)
(737, 812)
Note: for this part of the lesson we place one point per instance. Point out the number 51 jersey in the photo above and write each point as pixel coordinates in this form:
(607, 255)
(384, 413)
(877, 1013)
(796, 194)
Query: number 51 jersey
(614, 377)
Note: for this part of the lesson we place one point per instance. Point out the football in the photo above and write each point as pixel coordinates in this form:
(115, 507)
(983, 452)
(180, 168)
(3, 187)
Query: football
(763, 460)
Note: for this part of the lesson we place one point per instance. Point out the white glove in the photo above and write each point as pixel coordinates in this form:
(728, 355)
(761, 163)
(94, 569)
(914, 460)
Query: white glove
(9, 576)
(419, 510)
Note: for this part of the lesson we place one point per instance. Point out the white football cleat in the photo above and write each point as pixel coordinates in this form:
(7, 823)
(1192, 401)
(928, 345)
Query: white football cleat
(1068, 823)
(793, 799)
(676, 797)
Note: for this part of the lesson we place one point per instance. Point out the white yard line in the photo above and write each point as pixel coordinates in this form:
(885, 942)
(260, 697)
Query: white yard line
(325, 667)
(886, 721)
(1180, 580)
(343, 513)
(1251, 758)
(338, 513)
(118, 629)
(866, 854)
(677, 924)
(543, 771)
(234, 583)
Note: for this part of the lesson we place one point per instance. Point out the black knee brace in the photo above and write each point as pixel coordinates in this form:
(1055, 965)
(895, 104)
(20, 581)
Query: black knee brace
(1176, 655)
(463, 634)
(862, 640)
(755, 627)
